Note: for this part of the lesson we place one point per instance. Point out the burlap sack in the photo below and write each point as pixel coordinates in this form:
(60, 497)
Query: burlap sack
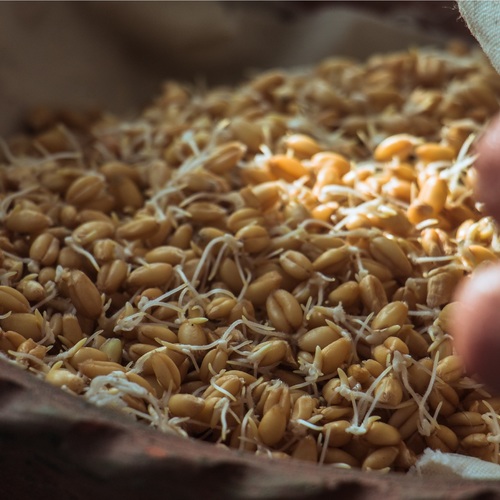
(483, 19)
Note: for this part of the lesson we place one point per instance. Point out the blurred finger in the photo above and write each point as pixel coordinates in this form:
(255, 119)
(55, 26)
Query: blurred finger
(476, 325)
(488, 169)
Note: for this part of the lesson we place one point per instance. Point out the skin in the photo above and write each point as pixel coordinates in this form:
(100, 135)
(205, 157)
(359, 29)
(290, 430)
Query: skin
(476, 326)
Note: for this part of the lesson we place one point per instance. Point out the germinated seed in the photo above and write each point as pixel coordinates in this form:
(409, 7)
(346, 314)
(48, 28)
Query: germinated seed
(236, 265)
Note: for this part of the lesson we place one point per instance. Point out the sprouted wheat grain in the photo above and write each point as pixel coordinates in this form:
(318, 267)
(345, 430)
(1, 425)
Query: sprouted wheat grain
(267, 267)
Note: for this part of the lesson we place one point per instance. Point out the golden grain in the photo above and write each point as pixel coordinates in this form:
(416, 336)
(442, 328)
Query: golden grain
(286, 167)
(269, 352)
(334, 355)
(440, 287)
(381, 458)
(255, 239)
(477, 440)
(296, 264)
(29, 346)
(434, 193)
(225, 157)
(258, 291)
(445, 395)
(125, 193)
(111, 276)
(320, 337)
(382, 434)
(388, 252)
(165, 371)
(306, 449)
(336, 433)
(244, 217)
(394, 313)
(450, 369)
(303, 407)
(150, 275)
(32, 290)
(45, 249)
(92, 368)
(192, 334)
(330, 392)
(389, 391)
(107, 249)
(334, 413)
(332, 260)
(405, 420)
(12, 301)
(272, 426)
(205, 212)
(26, 221)
(247, 132)
(84, 294)
(140, 228)
(339, 456)
(87, 233)
(70, 259)
(284, 311)
(152, 332)
(226, 253)
(443, 439)
(224, 385)
(27, 324)
(396, 146)
(166, 253)
(87, 354)
(220, 307)
(84, 189)
(185, 405)
(347, 294)
(418, 212)
(113, 348)
(372, 293)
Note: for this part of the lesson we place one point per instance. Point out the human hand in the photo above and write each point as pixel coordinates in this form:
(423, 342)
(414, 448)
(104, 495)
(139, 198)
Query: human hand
(476, 325)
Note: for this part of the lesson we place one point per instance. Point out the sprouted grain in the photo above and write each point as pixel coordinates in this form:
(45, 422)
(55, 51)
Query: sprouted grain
(268, 267)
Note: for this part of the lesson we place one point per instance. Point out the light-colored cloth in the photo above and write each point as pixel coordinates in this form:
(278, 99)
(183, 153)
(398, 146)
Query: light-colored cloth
(483, 19)
(451, 465)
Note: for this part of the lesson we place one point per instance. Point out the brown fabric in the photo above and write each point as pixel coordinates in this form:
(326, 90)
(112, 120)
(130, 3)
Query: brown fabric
(57, 446)
(116, 54)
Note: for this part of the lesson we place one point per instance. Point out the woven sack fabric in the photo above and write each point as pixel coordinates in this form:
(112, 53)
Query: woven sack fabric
(438, 464)
(483, 19)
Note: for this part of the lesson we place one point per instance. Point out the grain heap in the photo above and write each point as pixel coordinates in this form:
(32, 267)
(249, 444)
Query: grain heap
(268, 267)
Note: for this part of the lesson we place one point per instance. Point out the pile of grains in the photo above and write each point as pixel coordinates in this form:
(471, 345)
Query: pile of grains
(267, 267)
